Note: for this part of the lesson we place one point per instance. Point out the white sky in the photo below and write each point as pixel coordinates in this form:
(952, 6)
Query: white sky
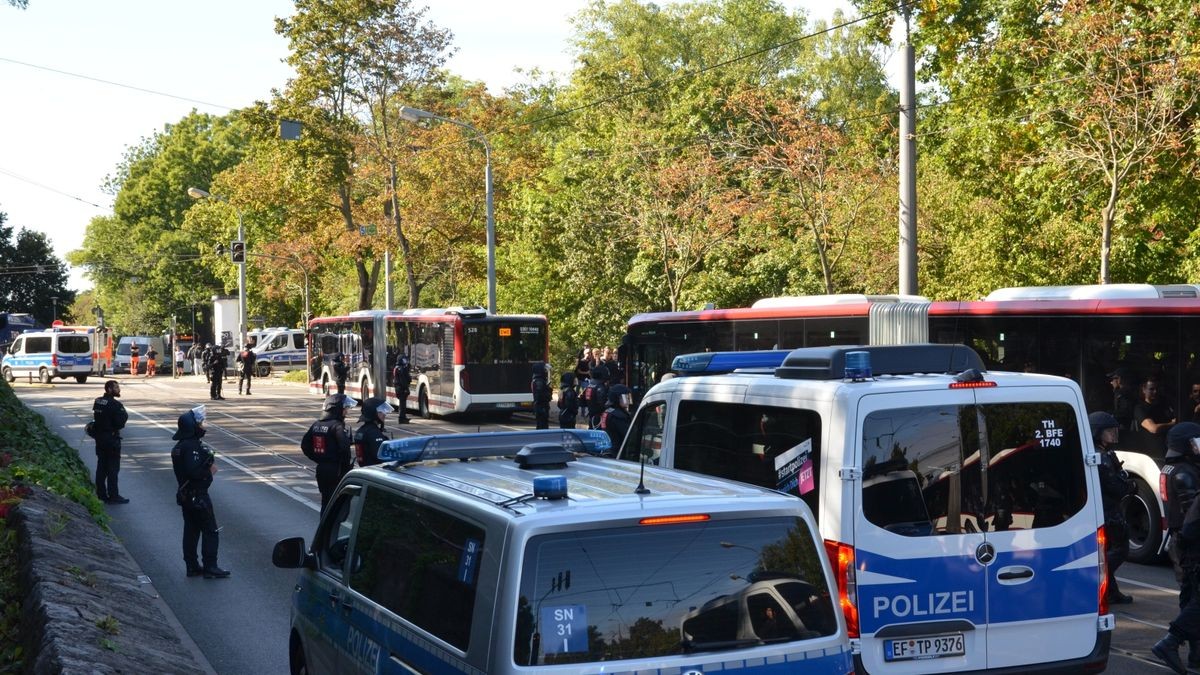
(61, 135)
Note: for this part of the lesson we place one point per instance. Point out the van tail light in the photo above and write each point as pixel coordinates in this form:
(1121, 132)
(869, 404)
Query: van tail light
(1162, 488)
(464, 380)
(841, 556)
(1102, 556)
(53, 360)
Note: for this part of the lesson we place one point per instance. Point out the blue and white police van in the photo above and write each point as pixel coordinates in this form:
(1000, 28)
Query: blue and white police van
(961, 508)
(49, 354)
(522, 552)
(280, 350)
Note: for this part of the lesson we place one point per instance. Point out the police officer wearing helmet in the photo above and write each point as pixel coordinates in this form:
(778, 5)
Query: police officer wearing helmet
(542, 395)
(1181, 476)
(595, 395)
(194, 465)
(369, 436)
(327, 442)
(1114, 487)
(615, 419)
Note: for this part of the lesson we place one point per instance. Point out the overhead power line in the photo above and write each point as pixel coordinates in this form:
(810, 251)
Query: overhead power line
(23, 179)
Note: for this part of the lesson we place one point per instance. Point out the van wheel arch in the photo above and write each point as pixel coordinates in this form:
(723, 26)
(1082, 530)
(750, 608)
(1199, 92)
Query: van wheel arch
(44, 376)
(8, 374)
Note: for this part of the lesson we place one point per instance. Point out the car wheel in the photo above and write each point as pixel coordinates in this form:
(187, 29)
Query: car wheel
(296, 662)
(262, 369)
(44, 376)
(1145, 524)
(423, 404)
(8, 376)
(81, 379)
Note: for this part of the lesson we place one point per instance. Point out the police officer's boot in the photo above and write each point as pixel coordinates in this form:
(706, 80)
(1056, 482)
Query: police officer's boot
(214, 572)
(1167, 651)
(194, 569)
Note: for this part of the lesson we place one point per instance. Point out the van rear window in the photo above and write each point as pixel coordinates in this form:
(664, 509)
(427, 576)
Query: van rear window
(938, 470)
(74, 344)
(650, 591)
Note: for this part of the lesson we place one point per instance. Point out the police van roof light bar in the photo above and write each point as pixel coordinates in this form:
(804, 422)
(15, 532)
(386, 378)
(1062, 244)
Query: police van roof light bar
(711, 363)
(493, 444)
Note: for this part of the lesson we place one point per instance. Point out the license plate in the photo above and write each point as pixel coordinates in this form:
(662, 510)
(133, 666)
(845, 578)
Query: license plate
(506, 405)
(924, 647)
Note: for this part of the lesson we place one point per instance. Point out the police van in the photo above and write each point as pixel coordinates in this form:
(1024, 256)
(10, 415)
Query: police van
(961, 507)
(522, 552)
(280, 350)
(49, 354)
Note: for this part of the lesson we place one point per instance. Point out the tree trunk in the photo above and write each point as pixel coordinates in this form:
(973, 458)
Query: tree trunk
(1107, 215)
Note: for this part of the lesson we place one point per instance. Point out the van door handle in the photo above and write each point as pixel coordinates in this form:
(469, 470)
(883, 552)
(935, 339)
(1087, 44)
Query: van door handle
(1014, 575)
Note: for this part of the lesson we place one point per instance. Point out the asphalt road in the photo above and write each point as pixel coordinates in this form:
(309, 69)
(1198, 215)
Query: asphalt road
(265, 491)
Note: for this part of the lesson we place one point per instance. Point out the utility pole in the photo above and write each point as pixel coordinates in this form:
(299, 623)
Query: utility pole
(908, 165)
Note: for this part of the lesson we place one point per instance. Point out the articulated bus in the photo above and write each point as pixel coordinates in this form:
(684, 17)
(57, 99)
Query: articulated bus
(1084, 333)
(462, 360)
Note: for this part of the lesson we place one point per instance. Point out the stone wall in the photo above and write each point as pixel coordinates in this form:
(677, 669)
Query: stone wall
(88, 608)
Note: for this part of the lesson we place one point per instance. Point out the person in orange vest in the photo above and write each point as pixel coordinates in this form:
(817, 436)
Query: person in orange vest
(134, 353)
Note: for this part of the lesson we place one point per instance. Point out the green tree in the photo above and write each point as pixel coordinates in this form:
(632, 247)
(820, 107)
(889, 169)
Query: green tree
(30, 275)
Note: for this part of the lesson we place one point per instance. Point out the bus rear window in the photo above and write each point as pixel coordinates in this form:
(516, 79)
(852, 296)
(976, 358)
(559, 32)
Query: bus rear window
(495, 342)
(651, 591)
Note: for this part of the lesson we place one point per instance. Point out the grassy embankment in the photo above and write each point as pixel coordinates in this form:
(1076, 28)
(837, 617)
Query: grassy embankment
(30, 454)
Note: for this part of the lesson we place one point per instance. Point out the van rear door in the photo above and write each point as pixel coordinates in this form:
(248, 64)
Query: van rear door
(922, 591)
(1044, 585)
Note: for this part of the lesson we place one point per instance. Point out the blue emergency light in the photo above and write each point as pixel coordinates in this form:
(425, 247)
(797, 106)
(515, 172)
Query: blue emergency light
(491, 444)
(726, 362)
(858, 366)
(550, 487)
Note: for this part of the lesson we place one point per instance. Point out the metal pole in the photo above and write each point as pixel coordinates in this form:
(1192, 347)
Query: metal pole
(491, 226)
(387, 280)
(241, 287)
(908, 168)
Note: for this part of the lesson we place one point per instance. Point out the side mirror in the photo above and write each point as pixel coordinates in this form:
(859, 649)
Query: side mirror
(291, 553)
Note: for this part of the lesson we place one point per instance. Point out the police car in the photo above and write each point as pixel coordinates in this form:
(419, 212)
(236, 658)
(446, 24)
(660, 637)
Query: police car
(522, 552)
(962, 508)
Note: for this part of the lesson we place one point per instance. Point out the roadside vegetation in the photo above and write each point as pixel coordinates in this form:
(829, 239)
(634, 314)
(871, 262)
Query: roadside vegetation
(30, 455)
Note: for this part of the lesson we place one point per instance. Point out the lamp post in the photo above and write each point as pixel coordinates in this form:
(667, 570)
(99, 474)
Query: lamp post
(414, 115)
(197, 193)
(53, 308)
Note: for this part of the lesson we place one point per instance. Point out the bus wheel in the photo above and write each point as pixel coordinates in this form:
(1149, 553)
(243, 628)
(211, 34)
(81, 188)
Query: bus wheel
(262, 369)
(1145, 524)
(423, 404)
(44, 376)
(8, 376)
(81, 379)
(364, 389)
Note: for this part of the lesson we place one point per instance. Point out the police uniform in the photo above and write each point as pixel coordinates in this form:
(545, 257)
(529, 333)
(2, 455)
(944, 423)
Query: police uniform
(192, 461)
(568, 402)
(402, 376)
(541, 396)
(1182, 478)
(370, 435)
(615, 419)
(247, 358)
(109, 418)
(216, 371)
(327, 442)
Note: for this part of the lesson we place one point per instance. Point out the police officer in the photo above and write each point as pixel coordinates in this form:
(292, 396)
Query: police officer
(1181, 472)
(542, 395)
(205, 357)
(340, 372)
(595, 395)
(109, 418)
(568, 401)
(327, 442)
(194, 465)
(247, 358)
(1185, 553)
(615, 419)
(371, 433)
(216, 371)
(402, 376)
(1114, 487)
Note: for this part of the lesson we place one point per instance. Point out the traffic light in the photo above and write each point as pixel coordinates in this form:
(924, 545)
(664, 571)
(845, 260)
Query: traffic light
(219, 249)
(237, 251)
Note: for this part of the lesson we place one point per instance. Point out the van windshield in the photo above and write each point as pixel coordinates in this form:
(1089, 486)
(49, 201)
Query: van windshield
(650, 591)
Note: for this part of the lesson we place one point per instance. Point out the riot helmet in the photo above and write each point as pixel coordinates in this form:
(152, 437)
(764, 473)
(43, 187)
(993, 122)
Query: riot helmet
(1183, 439)
(1099, 421)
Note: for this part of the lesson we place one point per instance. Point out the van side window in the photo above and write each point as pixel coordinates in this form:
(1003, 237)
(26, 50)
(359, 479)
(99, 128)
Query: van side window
(420, 563)
(332, 542)
(37, 345)
(776, 448)
(646, 434)
(922, 468)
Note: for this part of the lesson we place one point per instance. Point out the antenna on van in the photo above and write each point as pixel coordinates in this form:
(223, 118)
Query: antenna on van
(641, 488)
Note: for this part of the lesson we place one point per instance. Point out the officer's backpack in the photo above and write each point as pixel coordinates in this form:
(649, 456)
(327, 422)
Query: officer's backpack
(595, 395)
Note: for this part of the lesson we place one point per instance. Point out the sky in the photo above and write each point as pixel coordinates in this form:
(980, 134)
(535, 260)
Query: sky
(83, 80)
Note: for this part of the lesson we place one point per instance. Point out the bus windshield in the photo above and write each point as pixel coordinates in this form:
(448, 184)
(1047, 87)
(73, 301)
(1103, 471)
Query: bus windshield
(491, 342)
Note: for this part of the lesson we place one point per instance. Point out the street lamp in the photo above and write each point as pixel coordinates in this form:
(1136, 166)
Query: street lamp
(197, 193)
(415, 115)
(53, 308)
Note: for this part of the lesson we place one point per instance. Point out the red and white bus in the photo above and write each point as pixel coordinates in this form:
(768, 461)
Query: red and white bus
(461, 359)
(1080, 332)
